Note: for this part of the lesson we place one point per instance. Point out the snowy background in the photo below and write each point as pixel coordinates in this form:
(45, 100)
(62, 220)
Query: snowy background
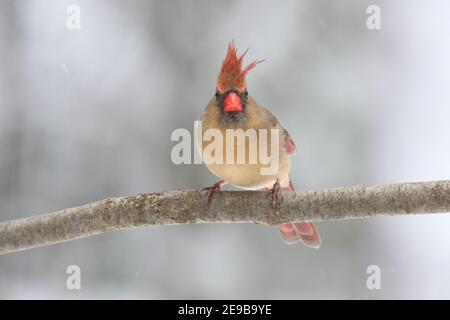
(87, 114)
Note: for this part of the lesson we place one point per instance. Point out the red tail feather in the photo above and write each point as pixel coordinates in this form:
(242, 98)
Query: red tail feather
(296, 231)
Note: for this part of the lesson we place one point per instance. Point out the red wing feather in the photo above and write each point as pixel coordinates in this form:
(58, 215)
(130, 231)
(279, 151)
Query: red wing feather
(291, 147)
(289, 142)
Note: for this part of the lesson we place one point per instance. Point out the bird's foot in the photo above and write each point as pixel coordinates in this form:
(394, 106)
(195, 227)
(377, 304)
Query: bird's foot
(276, 191)
(214, 188)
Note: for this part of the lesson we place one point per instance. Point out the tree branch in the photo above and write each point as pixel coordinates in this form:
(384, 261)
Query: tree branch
(189, 206)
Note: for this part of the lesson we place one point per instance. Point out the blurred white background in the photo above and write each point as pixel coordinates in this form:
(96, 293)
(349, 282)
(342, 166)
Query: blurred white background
(87, 114)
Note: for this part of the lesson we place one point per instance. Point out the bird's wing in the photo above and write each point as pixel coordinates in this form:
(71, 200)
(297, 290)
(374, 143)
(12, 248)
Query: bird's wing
(289, 142)
(286, 138)
(269, 120)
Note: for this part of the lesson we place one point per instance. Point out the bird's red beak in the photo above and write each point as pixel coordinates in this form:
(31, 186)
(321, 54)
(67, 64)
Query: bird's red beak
(232, 103)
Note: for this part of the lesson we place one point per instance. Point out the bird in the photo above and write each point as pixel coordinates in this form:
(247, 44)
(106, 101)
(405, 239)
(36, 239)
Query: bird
(231, 107)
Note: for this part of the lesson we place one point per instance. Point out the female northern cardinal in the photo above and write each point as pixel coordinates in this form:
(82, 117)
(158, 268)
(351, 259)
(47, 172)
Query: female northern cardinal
(233, 108)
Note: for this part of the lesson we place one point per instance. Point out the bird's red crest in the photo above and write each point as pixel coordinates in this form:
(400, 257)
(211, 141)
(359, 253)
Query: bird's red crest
(231, 75)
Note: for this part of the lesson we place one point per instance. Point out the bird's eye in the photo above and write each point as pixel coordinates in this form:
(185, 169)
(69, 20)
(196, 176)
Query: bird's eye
(246, 94)
(217, 94)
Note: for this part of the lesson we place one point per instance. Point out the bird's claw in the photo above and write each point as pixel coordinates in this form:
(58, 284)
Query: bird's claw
(276, 191)
(213, 189)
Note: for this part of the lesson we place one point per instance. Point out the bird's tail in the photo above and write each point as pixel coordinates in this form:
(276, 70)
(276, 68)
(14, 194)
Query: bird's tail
(293, 232)
(304, 231)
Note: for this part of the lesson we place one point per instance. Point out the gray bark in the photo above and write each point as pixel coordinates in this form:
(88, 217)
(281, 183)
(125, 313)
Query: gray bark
(189, 206)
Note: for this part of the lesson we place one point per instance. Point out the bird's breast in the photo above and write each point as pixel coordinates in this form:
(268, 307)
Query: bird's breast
(247, 158)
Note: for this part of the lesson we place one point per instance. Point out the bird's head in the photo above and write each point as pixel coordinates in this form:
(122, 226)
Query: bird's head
(231, 89)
